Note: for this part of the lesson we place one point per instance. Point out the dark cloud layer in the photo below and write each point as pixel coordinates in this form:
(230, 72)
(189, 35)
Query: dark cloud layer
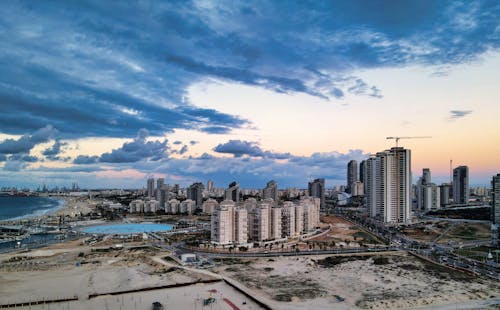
(27, 141)
(110, 69)
(94, 68)
(239, 148)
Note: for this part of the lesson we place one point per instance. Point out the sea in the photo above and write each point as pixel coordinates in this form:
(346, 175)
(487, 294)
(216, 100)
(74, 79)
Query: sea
(17, 207)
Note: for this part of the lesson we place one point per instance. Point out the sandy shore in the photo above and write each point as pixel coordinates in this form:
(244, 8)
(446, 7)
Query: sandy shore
(75, 206)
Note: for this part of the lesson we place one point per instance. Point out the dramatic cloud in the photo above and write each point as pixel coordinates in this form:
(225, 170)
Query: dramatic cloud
(456, 114)
(27, 142)
(238, 148)
(101, 69)
(53, 152)
(13, 165)
(23, 157)
(137, 150)
(85, 160)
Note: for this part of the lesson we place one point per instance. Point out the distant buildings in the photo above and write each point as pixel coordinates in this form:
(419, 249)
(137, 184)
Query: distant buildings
(151, 188)
(389, 185)
(461, 185)
(317, 189)
(428, 194)
(444, 194)
(195, 192)
(210, 186)
(271, 191)
(209, 206)
(352, 175)
(495, 210)
(232, 192)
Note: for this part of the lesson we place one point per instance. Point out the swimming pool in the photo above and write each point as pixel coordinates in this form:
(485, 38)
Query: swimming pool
(127, 228)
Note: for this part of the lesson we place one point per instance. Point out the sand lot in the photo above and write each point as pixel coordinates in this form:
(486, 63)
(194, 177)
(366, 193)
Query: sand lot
(54, 273)
(395, 281)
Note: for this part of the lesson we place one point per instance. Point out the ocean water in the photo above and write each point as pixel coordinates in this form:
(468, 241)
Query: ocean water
(127, 228)
(14, 208)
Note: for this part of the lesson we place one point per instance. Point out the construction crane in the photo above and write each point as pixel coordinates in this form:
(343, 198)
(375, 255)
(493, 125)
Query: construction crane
(397, 138)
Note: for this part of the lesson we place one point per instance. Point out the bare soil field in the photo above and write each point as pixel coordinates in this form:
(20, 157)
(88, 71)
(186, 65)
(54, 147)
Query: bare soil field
(396, 281)
(344, 232)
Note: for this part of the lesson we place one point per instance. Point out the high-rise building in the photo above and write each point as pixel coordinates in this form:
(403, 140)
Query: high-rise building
(151, 188)
(495, 210)
(159, 185)
(426, 176)
(371, 186)
(389, 185)
(271, 191)
(461, 185)
(317, 189)
(232, 192)
(210, 186)
(362, 174)
(195, 192)
(352, 174)
(423, 182)
(444, 195)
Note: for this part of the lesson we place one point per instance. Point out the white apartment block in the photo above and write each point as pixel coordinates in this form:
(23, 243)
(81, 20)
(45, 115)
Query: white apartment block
(209, 206)
(240, 226)
(431, 197)
(136, 206)
(151, 206)
(222, 225)
(288, 219)
(173, 206)
(299, 219)
(258, 222)
(188, 206)
(275, 220)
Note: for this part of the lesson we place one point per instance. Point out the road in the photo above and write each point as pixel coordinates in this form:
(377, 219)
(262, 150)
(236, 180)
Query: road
(439, 253)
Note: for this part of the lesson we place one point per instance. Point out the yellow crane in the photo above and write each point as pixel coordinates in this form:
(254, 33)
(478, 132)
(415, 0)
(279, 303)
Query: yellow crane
(397, 138)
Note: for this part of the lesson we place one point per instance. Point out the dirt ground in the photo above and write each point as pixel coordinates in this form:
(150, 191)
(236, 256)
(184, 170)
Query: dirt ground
(394, 281)
(345, 233)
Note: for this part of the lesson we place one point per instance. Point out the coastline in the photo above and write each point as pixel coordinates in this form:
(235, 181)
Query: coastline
(40, 213)
(66, 206)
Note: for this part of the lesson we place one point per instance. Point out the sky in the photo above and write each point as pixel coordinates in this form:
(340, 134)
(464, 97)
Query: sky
(109, 93)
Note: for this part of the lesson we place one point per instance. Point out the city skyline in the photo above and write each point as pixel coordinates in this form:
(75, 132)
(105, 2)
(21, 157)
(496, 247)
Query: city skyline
(110, 94)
